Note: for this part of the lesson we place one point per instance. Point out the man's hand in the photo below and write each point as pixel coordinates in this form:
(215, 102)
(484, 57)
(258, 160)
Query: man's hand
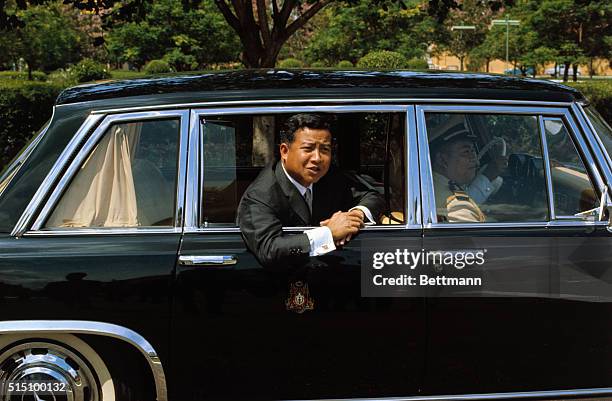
(496, 167)
(344, 225)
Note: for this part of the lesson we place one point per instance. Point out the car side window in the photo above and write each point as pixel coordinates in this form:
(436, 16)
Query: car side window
(487, 168)
(128, 180)
(573, 191)
(601, 127)
(368, 148)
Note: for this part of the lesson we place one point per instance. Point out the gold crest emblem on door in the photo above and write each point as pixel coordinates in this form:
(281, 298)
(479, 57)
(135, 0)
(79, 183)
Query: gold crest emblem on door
(299, 299)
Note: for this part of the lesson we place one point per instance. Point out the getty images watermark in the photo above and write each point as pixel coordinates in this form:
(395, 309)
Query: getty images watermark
(391, 271)
(435, 259)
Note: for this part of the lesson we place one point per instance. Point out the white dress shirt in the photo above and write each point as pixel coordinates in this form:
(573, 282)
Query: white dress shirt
(481, 188)
(320, 238)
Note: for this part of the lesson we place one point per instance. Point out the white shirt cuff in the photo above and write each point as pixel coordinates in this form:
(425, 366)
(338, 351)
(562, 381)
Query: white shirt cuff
(321, 241)
(367, 213)
(480, 188)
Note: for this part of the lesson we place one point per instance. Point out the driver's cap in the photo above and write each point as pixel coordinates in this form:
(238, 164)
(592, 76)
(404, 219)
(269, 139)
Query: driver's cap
(454, 133)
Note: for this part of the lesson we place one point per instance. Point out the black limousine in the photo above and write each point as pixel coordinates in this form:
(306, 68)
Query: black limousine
(123, 274)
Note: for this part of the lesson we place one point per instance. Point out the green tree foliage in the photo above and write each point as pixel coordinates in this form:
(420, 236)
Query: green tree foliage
(539, 57)
(134, 43)
(350, 32)
(180, 61)
(382, 60)
(196, 38)
(9, 51)
(567, 32)
(263, 26)
(577, 29)
(48, 38)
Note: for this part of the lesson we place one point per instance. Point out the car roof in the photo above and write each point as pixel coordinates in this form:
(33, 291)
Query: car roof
(304, 84)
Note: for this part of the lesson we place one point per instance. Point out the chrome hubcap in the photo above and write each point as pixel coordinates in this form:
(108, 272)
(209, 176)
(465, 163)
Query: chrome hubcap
(40, 371)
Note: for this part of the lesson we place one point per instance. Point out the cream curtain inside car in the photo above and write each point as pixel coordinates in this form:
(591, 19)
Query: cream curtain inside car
(103, 193)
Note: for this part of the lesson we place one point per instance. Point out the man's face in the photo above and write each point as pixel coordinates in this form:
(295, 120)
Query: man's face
(460, 162)
(308, 157)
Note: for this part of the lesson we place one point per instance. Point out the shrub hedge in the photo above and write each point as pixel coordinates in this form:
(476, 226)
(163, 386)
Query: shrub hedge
(417, 64)
(599, 94)
(290, 63)
(24, 107)
(345, 64)
(21, 75)
(157, 67)
(89, 70)
(382, 60)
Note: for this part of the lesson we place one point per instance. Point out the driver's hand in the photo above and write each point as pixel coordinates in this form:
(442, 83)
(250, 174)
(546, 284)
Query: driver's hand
(496, 167)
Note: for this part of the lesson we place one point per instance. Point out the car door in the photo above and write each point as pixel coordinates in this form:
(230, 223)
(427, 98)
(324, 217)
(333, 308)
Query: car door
(235, 333)
(540, 319)
(104, 246)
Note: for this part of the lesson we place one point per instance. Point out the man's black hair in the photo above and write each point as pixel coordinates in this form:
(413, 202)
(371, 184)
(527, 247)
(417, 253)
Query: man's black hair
(303, 120)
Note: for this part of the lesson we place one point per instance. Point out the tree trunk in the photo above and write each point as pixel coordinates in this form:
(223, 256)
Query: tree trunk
(29, 71)
(262, 43)
(575, 75)
(566, 72)
(263, 140)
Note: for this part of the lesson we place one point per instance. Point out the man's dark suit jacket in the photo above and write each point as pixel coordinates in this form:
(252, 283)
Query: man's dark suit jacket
(272, 202)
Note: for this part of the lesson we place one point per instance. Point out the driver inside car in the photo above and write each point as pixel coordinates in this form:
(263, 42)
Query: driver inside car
(488, 180)
(455, 166)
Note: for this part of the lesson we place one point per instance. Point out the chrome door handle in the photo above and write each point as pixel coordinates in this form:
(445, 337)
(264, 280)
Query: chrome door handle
(208, 260)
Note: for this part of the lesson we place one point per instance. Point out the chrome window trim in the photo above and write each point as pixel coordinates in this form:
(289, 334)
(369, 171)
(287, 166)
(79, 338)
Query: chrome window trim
(584, 151)
(427, 191)
(525, 224)
(181, 170)
(29, 213)
(428, 200)
(594, 138)
(221, 230)
(85, 151)
(192, 196)
(458, 108)
(588, 392)
(233, 103)
(38, 327)
(413, 182)
(102, 231)
(382, 108)
(192, 219)
(26, 153)
(546, 156)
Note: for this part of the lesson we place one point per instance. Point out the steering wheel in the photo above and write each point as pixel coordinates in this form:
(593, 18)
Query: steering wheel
(486, 148)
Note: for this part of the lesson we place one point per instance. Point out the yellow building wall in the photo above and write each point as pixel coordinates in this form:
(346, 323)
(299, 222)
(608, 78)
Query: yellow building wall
(451, 63)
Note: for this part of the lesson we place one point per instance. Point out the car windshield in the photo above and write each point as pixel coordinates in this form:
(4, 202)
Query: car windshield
(11, 169)
(601, 126)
